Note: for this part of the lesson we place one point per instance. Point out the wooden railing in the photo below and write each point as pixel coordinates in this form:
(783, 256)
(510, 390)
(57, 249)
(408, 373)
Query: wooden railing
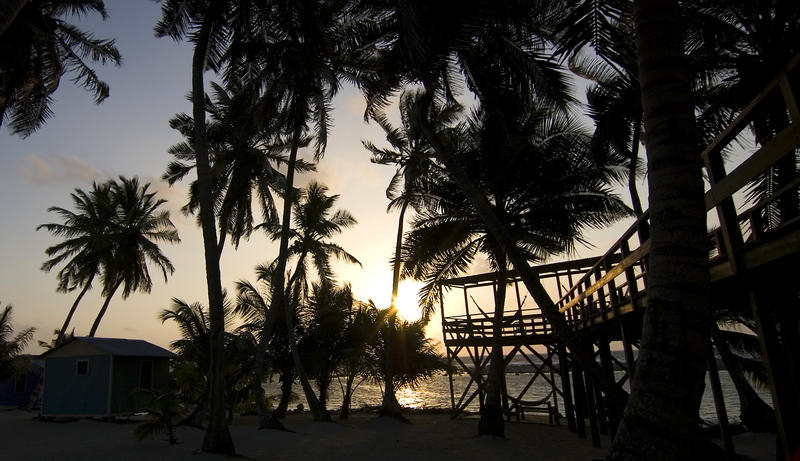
(527, 322)
(608, 290)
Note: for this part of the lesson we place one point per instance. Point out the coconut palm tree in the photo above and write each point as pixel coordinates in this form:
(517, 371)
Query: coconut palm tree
(134, 232)
(360, 358)
(11, 347)
(307, 49)
(314, 223)
(535, 170)
(676, 322)
(413, 157)
(242, 153)
(252, 305)
(213, 26)
(37, 47)
(86, 246)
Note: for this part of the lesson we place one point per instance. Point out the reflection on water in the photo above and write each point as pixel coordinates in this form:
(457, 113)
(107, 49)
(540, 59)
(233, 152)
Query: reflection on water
(435, 393)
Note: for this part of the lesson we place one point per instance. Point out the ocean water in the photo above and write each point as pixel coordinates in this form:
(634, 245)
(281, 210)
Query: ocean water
(435, 393)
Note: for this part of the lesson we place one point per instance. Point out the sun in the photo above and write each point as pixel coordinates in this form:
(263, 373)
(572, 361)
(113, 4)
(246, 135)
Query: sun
(406, 303)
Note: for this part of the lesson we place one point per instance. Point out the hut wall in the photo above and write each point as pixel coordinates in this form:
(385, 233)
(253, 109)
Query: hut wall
(128, 396)
(9, 392)
(68, 394)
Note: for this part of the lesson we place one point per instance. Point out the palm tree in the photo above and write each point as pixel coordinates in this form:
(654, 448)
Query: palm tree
(314, 223)
(86, 245)
(213, 26)
(194, 355)
(361, 337)
(37, 47)
(252, 305)
(413, 157)
(11, 347)
(306, 49)
(676, 322)
(534, 169)
(134, 233)
(438, 44)
(242, 152)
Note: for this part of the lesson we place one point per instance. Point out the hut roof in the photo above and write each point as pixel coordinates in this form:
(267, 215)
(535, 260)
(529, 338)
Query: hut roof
(119, 347)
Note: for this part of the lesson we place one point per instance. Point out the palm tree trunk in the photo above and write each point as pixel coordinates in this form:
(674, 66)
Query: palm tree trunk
(276, 284)
(9, 11)
(389, 405)
(491, 422)
(287, 379)
(63, 330)
(348, 396)
(318, 412)
(660, 420)
(217, 438)
(103, 309)
(266, 420)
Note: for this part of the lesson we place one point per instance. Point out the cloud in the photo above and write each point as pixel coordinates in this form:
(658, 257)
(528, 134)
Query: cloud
(58, 169)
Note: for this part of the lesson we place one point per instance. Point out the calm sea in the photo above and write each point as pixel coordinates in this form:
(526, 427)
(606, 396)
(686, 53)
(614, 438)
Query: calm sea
(435, 393)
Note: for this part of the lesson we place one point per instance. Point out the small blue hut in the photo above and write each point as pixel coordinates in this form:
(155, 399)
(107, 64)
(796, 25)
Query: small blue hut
(19, 390)
(103, 376)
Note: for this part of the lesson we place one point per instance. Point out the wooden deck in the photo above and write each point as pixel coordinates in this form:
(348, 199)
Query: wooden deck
(603, 298)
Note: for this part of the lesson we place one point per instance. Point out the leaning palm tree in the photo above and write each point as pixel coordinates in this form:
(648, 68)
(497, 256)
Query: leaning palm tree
(11, 345)
(534, 169)
(314, 223)
(134, 233)
(86, 246)
(413, 157)
(37, 47)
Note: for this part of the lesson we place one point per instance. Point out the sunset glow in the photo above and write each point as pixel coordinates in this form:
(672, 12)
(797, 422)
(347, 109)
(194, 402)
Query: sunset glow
(407, 301)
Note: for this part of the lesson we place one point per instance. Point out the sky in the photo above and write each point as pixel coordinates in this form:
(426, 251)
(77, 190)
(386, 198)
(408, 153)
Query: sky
(128, 134)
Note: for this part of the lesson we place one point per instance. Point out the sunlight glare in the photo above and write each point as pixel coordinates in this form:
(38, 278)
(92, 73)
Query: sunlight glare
(407, 302)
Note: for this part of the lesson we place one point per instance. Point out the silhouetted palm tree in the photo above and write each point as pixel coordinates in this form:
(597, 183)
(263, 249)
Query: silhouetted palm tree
(214, 27)
(534, 169)
(134, 232)
(242, 152)
(11, 345)
(37, 47)
(87, 243)
(413, 156)
(314, 223)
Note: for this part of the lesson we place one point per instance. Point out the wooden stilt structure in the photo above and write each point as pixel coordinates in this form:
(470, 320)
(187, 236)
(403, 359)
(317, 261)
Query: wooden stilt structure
(603, 298)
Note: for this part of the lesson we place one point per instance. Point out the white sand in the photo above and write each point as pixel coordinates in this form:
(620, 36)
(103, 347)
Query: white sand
(363, 437)
(434, 437)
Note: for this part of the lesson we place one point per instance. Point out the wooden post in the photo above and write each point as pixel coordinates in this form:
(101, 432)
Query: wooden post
(719, 404)
(580, 399)
(613, 410)
(563, 365)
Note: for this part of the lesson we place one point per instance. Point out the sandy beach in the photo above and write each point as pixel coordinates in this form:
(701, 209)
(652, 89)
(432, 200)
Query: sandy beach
(363, 437)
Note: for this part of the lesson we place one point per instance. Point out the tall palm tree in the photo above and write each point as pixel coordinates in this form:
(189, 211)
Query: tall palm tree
(534, 169)
(314, 223)
(86, 246)
(413, 157)
(307, 48)
(37, 47)
(213, 26)
(11, 347)
(659, 420)
(135, 231)
(242, 152)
